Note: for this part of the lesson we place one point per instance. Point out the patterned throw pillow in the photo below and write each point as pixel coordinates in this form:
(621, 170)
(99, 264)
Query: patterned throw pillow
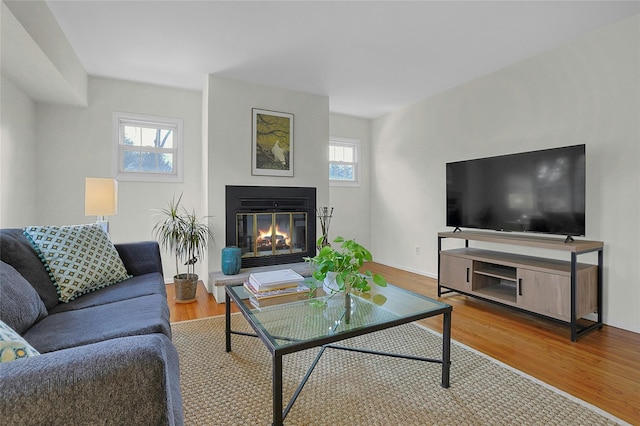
(13, 346)
(79, 258)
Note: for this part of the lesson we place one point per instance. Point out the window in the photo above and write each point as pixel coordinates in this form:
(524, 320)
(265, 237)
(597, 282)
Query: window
(148, 148)
(343, 162)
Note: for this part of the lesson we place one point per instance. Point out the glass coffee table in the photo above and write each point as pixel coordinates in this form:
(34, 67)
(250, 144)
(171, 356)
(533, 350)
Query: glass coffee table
(323, 320)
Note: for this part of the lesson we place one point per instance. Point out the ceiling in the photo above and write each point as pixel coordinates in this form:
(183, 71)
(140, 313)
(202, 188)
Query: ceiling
(368, 57)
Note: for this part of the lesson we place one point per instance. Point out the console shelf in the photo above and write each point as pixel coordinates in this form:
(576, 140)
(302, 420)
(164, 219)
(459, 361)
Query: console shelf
(499, 292)
(563, 290)
(497, 271)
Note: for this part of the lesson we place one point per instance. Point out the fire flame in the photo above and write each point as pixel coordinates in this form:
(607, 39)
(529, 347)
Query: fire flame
(265, 235)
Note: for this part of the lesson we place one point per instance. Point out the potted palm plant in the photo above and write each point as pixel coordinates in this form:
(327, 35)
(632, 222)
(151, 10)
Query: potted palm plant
(186, 236)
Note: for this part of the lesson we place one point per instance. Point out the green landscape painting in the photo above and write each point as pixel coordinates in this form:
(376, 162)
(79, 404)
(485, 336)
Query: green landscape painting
(273, 143)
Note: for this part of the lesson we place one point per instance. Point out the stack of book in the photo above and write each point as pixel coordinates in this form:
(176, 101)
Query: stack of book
(275, 287)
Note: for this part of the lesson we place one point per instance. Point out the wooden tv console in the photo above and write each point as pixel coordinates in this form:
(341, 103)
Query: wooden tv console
(563, 290)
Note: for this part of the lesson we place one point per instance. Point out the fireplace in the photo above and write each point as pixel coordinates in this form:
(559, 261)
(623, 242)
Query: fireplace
(272, 225)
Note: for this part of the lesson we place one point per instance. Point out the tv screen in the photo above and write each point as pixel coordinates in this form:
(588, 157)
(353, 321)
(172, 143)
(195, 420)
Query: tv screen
(538, 191)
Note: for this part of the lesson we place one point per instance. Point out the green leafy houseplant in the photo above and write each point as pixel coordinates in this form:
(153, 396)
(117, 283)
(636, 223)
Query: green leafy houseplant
(186, 236)
(346, 261)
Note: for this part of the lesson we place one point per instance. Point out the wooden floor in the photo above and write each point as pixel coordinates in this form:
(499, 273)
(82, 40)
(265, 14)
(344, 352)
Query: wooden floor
(602, 368)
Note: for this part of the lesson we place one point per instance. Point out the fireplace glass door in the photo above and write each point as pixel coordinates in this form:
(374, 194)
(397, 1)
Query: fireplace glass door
(271, 234)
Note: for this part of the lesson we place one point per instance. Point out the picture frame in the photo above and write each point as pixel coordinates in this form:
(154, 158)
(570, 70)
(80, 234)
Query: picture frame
(272, 143)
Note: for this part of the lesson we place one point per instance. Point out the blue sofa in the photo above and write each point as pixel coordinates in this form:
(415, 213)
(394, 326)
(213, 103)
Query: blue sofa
(106, 357)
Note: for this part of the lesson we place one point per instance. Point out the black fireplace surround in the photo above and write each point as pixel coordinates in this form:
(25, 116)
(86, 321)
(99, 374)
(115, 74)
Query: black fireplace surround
(294, 207)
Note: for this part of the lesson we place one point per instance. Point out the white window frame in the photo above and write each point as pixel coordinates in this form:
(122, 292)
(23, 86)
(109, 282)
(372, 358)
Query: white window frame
(355, 144)
(120, 119)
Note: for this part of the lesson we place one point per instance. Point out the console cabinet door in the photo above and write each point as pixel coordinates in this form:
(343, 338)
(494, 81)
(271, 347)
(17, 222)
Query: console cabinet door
(456, 272)
(545, 293)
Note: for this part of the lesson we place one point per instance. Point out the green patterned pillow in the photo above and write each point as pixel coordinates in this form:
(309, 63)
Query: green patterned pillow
(79, 258)
(13, 346)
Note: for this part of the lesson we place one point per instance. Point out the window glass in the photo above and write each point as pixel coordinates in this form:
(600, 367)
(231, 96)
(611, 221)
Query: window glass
(341, 172)
(131, 160)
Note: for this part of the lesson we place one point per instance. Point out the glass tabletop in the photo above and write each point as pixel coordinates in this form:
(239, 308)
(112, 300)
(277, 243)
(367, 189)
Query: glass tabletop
(325, 316)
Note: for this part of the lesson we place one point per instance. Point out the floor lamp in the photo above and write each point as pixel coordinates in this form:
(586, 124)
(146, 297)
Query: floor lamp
(101, 199)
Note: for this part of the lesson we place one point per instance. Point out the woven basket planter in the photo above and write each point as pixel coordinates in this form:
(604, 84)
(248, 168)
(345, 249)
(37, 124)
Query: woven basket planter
(185, 287)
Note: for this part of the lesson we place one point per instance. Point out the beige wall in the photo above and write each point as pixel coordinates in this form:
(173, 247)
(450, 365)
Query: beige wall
(587, 91)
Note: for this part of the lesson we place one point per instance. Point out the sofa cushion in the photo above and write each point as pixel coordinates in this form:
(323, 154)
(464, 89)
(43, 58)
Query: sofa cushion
(133, 317)
(142, 285)
(140, 257)
(17, 251)
(80, 258)
(13, 346)
(20, 305)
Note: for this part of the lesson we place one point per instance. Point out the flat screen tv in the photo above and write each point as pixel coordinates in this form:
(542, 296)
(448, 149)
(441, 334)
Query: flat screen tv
(539, 191)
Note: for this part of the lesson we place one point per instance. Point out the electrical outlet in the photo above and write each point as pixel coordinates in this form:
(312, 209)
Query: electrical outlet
(417, 249)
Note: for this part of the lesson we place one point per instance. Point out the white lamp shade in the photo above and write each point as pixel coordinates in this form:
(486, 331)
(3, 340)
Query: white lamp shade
(100, 197)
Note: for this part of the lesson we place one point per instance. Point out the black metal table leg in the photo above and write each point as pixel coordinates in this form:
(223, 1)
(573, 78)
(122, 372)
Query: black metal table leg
(439, 250)
(277, 389)
(446, 348)
(227, 321)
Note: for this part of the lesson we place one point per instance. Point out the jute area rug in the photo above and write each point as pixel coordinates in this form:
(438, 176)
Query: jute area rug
(348, 388)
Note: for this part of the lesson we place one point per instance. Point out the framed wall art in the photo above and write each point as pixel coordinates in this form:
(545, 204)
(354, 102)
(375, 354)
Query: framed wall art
(272, 143)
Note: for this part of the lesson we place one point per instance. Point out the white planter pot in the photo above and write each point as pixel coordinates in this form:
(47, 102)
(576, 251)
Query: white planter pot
(330, 284)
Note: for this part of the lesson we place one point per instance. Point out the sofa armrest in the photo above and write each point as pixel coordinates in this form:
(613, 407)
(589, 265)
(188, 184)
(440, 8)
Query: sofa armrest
(140, 258)
(129, 380)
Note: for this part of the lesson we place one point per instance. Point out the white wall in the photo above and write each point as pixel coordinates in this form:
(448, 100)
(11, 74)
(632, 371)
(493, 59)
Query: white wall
(18, 180)
(230, 103)
(37, 57)
(587, 91)
(77, 142)
(352, 214)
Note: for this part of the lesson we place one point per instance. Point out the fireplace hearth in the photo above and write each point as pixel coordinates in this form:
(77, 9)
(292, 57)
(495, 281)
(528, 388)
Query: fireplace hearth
(272, 225)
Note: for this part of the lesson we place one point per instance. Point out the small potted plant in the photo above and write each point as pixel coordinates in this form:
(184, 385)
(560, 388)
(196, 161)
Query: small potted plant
(185, 235)
(339, 268)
